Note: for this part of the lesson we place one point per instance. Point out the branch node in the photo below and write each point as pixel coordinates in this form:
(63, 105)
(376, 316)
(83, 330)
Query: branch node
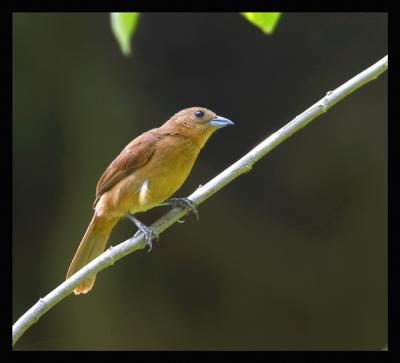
(247, 168)
(110, 257)
(323, 104)
(43, 306)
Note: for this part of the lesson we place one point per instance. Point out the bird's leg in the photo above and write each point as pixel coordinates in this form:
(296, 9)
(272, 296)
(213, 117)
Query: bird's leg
(149, 234)
(184, 203)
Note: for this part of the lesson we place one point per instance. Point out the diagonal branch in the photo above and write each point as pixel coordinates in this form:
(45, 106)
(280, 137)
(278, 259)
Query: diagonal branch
(241, 166)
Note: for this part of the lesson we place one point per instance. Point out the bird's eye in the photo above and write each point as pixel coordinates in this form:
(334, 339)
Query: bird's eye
(199, 114)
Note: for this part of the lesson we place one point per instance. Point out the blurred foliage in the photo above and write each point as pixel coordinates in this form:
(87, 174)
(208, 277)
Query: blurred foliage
(264, 21)
(123, 25)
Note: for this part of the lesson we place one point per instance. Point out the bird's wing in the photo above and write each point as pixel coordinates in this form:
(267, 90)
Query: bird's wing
(136, 154)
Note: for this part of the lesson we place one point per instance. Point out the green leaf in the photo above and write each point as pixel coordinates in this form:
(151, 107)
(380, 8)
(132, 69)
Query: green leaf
(123, 25)
(264, 21)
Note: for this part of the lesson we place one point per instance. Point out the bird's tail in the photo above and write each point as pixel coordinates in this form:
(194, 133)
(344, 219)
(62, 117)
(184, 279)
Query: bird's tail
(92, 245)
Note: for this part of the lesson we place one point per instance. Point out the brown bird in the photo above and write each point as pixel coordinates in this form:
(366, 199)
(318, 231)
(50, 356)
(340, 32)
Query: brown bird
(145, 174)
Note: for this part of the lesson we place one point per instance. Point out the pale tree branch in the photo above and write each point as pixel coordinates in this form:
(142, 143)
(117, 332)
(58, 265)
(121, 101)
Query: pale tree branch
(241, 166)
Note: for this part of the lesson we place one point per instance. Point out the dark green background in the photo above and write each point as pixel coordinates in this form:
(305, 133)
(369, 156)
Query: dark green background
(292, 255)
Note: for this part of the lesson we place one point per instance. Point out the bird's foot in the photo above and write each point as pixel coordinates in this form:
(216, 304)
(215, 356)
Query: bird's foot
(184, 203)
(148, 233)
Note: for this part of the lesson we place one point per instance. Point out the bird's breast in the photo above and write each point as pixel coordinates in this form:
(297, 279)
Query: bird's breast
(153, 182)
(165, 173)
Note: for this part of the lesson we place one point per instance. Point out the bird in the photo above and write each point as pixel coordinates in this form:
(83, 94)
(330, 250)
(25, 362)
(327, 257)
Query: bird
(147, 172)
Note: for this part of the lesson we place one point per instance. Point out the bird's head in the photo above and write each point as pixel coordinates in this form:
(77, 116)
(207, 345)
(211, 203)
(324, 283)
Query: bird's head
(197, 123)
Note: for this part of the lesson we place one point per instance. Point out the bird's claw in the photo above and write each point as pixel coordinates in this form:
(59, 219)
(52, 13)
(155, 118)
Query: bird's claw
(149, 235)
(185, 203)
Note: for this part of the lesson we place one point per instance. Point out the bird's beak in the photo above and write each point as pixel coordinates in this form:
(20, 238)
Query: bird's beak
(219, 122)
